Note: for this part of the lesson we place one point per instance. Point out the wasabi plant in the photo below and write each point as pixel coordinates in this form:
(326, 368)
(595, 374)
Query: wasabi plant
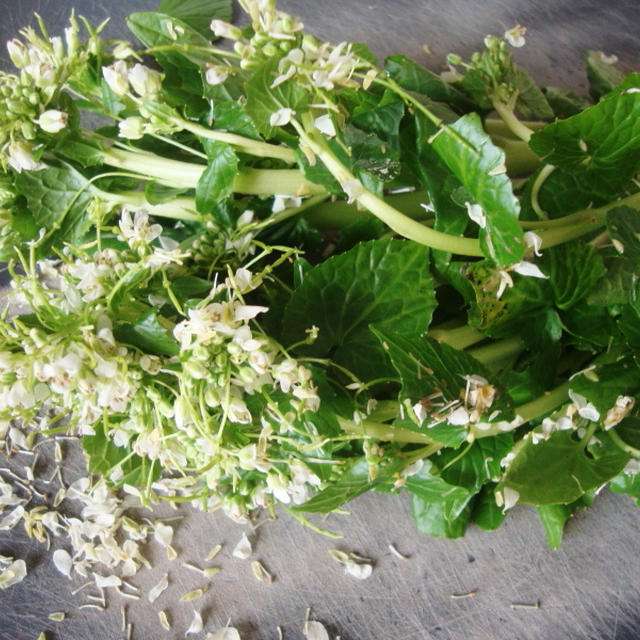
(273, 272)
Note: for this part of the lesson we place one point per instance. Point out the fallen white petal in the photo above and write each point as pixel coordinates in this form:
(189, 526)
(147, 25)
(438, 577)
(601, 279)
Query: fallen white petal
(163, 533)
(63, 562)
(106, 581)
(227, 633)
(13, 574)
(525, 268)
(359, 570)
(196, 624)
(154, 592)
(315, 630)
(243, 549)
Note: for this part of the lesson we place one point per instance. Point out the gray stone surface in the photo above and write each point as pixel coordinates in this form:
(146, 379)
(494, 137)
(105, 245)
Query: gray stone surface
(588, 590)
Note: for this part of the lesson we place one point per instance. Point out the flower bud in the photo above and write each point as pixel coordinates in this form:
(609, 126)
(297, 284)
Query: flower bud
(18, 53)
(21, 157)
(123, 50)
(145, 81)
(215, 76)
(115, 76)
(222, 29)
(131, 128)
(52, 121)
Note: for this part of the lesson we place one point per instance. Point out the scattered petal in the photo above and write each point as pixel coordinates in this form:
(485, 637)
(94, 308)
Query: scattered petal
(243, 549)
(154, 592)
(63, 562)
(196, 624)
(315, 630)
(13, 574)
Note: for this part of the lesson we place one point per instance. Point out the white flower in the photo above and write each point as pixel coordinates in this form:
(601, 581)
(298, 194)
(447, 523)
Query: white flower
(281, 117)
(585, 408)
(534, 241)
(525, 268)
(353, 188)
(215, 75)
(138, 229)
(52, 121)
(20, 157)
(145, 81)
(282, 202)
(238, 411)
(460, 417)
(325, 125)
(515, 36)
(475, 212)
(116, 76)
(507, 499)
(131, 128)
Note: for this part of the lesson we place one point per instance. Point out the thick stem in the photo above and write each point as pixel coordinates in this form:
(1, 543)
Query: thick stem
(496, 351)
(185, 175)
(544, 404)
(458, 338)
(498, 127)
(183, 208)
(242, 144)
(516, 126)
(395, 220)
(381, 431)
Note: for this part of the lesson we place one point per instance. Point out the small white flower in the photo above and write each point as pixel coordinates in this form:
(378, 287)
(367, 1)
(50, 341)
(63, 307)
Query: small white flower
(116, 76)
(282, 202)
(585, 408)
(475, 212)
(20, 157)
(325, 125)
(507, 499)
(534, 241)
(460, 417)
(353, 189)
(215, 75)
(281, 117)
(138, 229)
(52, 121)
(131, 128)
(525, 268)
(145, 81)
(515, 36)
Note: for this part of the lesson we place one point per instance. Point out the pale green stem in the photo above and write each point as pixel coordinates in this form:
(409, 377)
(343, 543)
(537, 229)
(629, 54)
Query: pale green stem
(545, 172)
(497, 126)
(181, 208)
(544, 404)
(625, 446)
(242, 144)
(458, 338)
(516, 126)
(381, 431)
(497, 351)
(395, 220)
(185, 175)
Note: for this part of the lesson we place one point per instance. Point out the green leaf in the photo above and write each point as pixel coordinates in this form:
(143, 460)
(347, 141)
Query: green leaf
(601, 144)
(157, 193)
(565, 103)
(110, 100)
(232, 116)
(602, 384)
(198, 13)
(560, 470)
(485, 512)
(623, 224)
(628, 483)
(433, 489)
(104, 456)
(531, 102)
(58, 198)
(188, 287)
(430, 518)
(157, 29)
(574, 268)
(384, 282)
(77, 149)
(468, 151)
(555, 516)
(147, 334)
(216, 182)
(352, 483)
(262, 101)
(414, 77)
(603, 76)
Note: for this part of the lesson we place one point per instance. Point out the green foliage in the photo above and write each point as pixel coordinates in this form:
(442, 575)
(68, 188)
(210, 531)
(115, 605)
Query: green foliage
(384, 282)
(198, 13)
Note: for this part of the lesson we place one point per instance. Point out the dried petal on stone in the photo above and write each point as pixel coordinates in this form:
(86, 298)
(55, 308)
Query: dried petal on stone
(63, 562)
(243, 549)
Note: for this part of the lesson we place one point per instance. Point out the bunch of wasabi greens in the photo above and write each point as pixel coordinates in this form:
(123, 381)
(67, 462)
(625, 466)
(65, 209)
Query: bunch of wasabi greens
(251, 269)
